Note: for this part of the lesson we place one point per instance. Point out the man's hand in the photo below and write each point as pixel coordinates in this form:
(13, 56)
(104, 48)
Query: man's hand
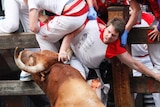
(124, 38)
(65, 56)
(154, 35)
(92, 14)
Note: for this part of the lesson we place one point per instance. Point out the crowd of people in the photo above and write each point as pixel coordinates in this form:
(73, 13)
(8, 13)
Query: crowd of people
(81, 33)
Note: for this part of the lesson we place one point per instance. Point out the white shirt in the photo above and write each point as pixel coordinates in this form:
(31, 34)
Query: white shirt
(55, 6)
(88, 47)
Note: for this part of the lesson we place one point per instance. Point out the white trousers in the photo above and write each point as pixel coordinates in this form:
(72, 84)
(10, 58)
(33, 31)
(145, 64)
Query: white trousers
(74, 62)
(15, 11)
(150, 61)
(154, 52)
(57, 28)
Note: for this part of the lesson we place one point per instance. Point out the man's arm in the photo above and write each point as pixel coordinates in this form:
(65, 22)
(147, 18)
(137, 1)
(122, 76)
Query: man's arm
(33, 20)
(65, 46)
(127, 59)
(132, 21)
(134, 16)
(92, 14)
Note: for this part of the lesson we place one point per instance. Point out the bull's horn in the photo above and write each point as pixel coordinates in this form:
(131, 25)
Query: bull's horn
(31, 69)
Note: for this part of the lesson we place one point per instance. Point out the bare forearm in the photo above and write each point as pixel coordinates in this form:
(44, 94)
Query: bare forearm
(127, 59)
(89, 2)
(33, 20)
(142, 68)
(134, 16)
(66, 43)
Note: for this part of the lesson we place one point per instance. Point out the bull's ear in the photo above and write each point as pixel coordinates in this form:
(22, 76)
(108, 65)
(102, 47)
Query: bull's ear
(31, 69)
(31, 61)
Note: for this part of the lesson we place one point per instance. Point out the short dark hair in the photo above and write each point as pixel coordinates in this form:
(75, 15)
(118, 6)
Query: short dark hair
(118, 24)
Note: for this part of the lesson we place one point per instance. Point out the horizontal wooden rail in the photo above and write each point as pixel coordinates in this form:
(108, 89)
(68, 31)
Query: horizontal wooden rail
(13, 92)
(144, 85)
(138, 35)
(21, 40)
(17, 87)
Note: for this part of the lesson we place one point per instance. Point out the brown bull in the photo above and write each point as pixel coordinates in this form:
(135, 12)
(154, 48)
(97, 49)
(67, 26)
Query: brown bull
(64, 85)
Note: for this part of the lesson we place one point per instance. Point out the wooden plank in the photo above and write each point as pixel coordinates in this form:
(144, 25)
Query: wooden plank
(144, 85)
(118, 11)
(22, 40)
(139, 36)
(17, 87)
(121, 84)
(28, 40)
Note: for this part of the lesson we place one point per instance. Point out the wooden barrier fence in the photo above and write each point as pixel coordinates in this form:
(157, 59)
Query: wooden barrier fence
(14, 91)
(124, 84)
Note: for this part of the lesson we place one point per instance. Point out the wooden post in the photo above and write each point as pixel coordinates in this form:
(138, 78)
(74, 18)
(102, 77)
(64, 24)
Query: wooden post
(121, 84)
(121, 75)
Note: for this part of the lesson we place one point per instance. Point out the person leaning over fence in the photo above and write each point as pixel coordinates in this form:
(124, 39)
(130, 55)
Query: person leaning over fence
(69, 16)
(95, 41)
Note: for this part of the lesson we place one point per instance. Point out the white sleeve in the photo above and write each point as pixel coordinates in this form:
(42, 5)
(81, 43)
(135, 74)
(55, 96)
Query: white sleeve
(33, 4)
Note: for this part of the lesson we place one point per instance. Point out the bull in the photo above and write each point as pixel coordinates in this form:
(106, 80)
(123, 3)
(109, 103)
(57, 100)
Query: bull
(63, 85)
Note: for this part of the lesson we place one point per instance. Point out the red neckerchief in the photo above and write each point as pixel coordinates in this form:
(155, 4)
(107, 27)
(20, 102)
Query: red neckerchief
(101, 33)
(101, 30)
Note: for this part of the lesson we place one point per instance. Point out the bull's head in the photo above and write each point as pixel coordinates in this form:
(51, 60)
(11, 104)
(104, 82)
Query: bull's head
(34, 62)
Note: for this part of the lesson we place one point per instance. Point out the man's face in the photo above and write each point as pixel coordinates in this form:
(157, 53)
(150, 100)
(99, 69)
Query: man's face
(110, 35)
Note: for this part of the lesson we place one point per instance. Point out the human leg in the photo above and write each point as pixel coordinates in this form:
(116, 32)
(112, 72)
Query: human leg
(154, 52)
(24, 16)
(74, 62)
(59, 26)
(156, 97)
(47, 45)
(11, 21)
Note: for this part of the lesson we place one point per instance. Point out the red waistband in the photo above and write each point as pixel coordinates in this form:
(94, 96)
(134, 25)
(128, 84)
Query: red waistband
(50, 18)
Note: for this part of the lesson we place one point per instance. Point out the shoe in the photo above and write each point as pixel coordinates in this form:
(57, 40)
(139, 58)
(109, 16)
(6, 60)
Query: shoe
(24, 76)
(156, 70)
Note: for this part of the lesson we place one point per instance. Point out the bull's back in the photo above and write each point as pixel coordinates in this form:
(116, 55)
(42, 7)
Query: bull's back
(75, 92)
